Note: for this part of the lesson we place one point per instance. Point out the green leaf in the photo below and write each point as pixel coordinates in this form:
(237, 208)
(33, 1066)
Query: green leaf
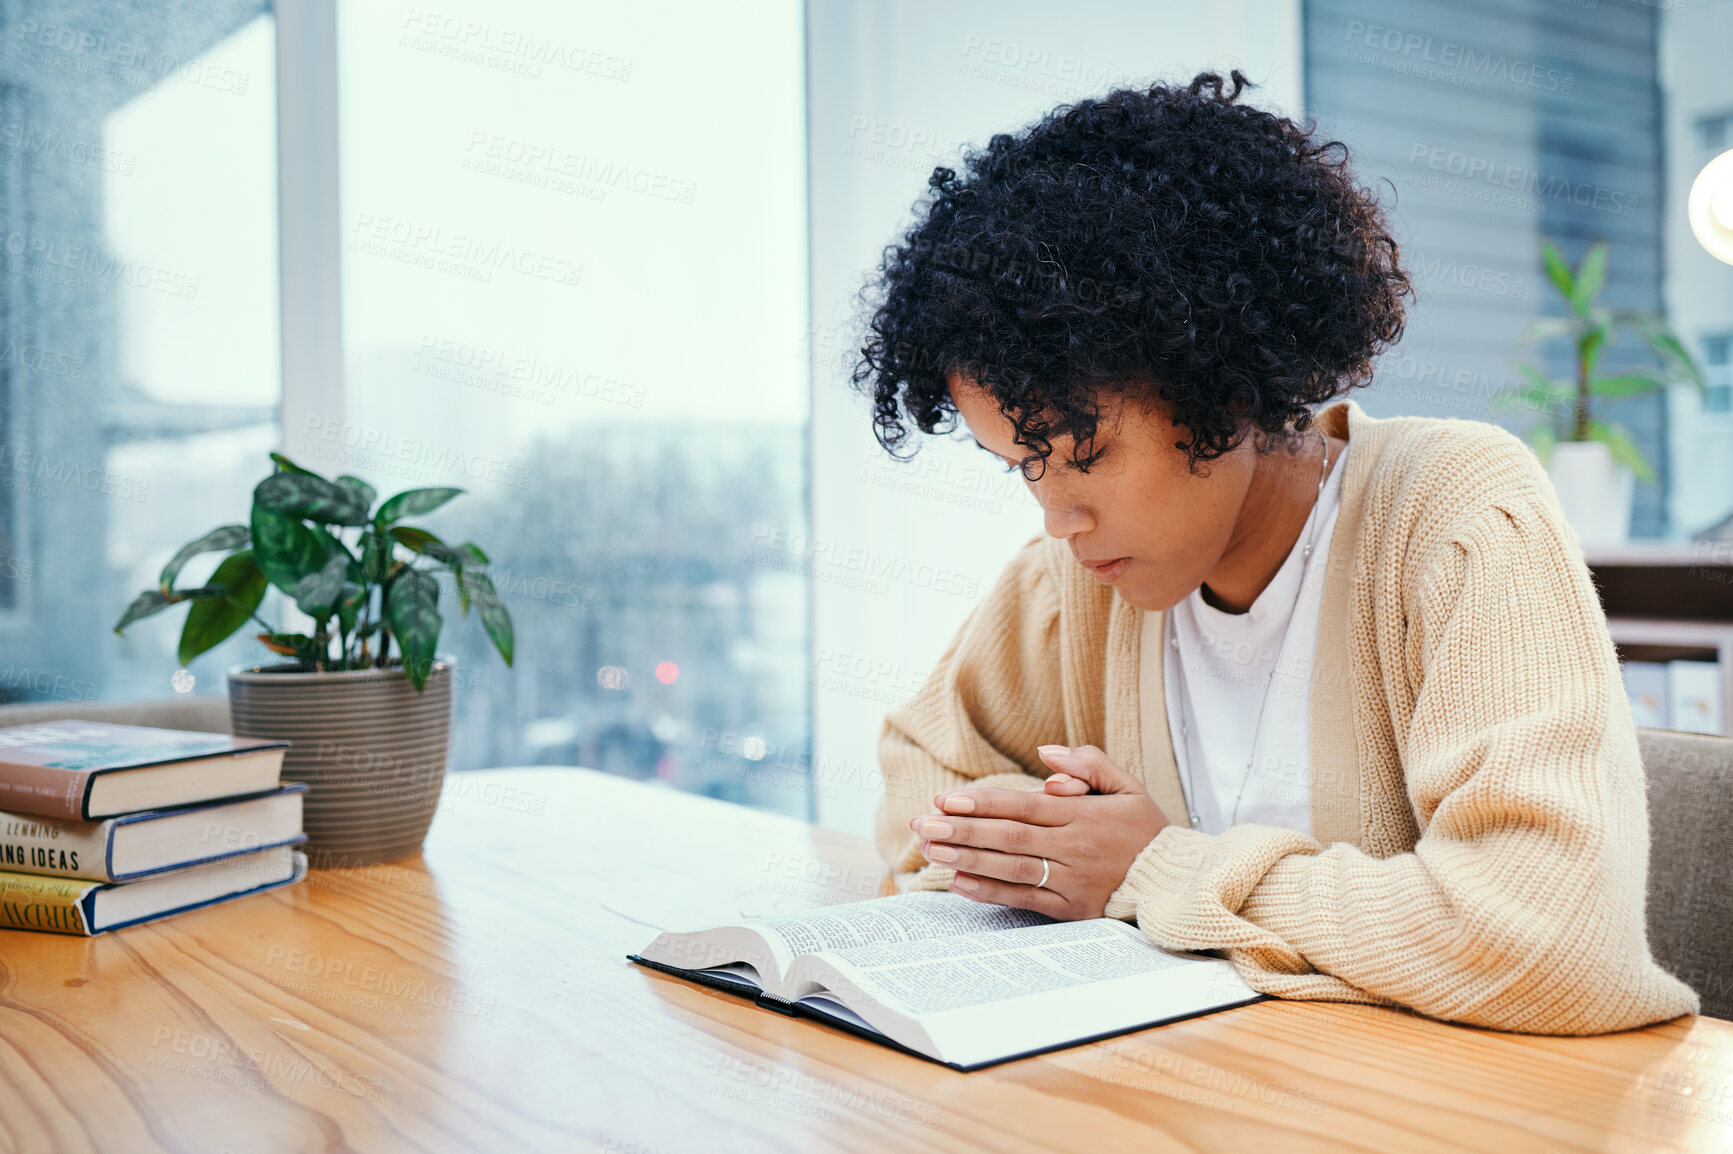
(349, 608)
(412, 503)
(222, 537)
(1534, 400)
(1542, 438)
(1623, 448)
(289, 466)
(362, 490)
(154, 601)
(312, 498)
(1536, 378)
(412, 608)
(1632, 385)
(375, 555)
(146, 604)
(1558, 270)
(1591, 274)
(475, 552)
(454, 558)
(317, 593)
(212, 620)
(331, 543)
(1589, 349)
(285, 549)
(1540, 395)
(494, 617)
(1669, 348)
(413, 539)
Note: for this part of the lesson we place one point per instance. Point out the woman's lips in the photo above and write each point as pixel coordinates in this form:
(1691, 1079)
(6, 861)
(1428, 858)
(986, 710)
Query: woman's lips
(1108, 572)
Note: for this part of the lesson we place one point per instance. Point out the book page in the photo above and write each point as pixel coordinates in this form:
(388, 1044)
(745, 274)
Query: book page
(739, 951)
(939, 975)
(901, 918)
(984, 997)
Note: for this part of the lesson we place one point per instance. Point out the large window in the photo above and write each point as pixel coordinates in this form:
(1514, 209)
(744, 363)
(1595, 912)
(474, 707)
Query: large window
(138, 324)
(598, 264)
(573, 266)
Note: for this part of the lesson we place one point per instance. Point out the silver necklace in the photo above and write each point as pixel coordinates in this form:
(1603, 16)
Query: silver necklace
(1257, 725)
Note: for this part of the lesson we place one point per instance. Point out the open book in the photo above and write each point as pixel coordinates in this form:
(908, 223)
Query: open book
(961, 982)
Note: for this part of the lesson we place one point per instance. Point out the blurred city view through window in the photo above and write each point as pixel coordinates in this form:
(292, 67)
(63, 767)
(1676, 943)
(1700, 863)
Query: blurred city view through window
(566, 292)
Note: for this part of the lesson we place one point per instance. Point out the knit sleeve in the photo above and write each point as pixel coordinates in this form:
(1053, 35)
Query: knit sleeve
(1521, 907)
(976, 720)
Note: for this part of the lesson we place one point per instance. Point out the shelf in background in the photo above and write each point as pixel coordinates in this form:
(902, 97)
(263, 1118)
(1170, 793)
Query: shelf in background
(1670, 602)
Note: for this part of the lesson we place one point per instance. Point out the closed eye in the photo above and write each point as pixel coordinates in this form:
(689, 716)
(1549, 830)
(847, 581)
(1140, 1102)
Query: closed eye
(1010, 466)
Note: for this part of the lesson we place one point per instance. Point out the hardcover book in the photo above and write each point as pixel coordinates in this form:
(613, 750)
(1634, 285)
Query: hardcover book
(137, 845)
(74, 906)
(959, 982)
(89, 770)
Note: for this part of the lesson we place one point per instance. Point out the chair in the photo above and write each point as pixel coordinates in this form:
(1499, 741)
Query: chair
(1690, 908)
(201, 714)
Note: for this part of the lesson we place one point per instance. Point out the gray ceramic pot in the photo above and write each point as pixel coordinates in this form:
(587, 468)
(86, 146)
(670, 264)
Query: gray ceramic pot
(370, 748)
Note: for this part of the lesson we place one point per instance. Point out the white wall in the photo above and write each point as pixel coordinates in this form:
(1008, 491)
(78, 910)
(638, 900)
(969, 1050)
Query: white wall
(894, 87)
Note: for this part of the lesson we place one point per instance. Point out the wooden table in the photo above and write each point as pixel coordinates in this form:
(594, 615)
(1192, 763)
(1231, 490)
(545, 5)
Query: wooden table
(478, 998)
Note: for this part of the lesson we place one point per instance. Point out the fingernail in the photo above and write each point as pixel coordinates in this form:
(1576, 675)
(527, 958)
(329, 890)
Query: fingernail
(1059, 777)
(939, 852)
(934, 828)
(964, 883)
(962, 803)
(1053, 750)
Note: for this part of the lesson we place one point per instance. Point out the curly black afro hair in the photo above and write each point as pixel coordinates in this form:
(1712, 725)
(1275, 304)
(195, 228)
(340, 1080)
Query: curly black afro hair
(1169, 243)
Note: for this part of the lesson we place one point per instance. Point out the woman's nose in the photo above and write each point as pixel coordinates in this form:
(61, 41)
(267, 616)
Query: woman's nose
(1062, 516)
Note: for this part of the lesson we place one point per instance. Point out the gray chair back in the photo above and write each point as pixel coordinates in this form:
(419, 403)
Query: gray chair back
(1690, 918)
(200, 714)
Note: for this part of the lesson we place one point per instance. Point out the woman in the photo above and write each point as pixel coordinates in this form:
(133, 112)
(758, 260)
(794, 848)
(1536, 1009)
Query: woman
(1334, 696)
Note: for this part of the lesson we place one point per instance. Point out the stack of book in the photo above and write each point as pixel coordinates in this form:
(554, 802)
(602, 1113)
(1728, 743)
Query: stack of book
(103, 826)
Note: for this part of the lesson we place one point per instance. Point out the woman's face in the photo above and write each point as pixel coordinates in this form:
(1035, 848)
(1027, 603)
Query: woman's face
(1139, 520)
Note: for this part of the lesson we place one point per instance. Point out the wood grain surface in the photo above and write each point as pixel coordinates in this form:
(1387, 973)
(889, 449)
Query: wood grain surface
(478, 998)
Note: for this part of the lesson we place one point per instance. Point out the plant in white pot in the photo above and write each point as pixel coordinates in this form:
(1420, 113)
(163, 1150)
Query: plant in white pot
(365, 700)
(1594, 463)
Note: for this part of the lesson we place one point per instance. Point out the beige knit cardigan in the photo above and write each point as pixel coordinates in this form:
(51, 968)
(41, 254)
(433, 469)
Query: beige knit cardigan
(1480, 832)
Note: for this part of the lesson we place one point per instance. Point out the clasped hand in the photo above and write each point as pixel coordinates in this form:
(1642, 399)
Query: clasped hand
(1090, 821)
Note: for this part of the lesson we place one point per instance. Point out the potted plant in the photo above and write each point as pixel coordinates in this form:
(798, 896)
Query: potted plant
(1594, 463)
(365, 698)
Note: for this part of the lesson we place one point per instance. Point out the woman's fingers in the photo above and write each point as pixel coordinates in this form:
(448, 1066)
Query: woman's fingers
(1005, 835)
(1027, 805)
(1090, 764)
(1002, 893)
(1064, 785)
(1015, 868)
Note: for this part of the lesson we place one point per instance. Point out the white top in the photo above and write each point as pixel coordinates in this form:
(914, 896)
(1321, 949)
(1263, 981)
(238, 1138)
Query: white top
(1227, 660)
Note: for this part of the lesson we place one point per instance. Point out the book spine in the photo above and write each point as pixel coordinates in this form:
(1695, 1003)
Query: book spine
(55, 846)
(57, 905)
(43, 790)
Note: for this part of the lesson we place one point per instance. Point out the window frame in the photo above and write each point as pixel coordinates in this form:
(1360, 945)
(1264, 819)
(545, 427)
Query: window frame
(309, 221)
